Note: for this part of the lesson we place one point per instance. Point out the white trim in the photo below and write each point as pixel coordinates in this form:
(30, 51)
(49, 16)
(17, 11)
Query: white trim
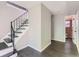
(40, 50)
(77, 48)
(33, 47)
(59, 40)
(6, 51)
(1, 40)
(45, 47)
(77, 45)
(22, 47)
(14, 55)
(8, 44)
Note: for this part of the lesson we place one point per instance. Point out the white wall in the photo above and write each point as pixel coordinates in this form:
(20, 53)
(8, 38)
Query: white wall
(35, 27)
(59, 27)
(40, 27)
(7, 14)
(45, 27)
(22, 42)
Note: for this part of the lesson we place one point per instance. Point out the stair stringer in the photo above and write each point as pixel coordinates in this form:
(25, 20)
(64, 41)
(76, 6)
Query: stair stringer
(22, 41)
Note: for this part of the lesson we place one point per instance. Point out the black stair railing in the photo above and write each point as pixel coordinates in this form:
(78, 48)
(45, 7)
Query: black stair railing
(18, 6)
(15, 26)
(19, 21)
(12, 38)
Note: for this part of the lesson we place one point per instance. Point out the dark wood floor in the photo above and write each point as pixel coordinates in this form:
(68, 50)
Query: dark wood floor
(56, 49)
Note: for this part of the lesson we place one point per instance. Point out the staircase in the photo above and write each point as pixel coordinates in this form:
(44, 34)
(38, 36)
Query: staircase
(17, 28)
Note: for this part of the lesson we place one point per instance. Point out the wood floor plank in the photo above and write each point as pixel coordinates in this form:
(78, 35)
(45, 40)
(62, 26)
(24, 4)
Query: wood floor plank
(56, 49)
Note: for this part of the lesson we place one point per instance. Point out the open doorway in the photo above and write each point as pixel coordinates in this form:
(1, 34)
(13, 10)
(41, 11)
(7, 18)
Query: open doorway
(69, 28)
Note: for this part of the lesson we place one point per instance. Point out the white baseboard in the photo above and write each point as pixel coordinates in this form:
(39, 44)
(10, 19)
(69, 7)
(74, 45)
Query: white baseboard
(22, 47)
(34, 48)
(45, 47)
(63, 40)
(40, 50)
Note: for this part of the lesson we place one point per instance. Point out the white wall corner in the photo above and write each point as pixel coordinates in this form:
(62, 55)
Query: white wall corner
(45, 47)
(40, 50)
(34, 48)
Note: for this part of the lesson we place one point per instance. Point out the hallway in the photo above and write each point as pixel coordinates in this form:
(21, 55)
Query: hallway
(56, 49)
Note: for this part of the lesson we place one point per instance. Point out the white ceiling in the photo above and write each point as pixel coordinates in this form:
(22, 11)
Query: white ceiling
(56, 7)
(62, 7)
(72, 7)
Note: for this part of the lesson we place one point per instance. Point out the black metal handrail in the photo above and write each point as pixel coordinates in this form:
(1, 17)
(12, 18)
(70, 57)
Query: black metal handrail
(15, 26)
(17, 23)
(12, 38)
(20, 16)
(18, 6)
